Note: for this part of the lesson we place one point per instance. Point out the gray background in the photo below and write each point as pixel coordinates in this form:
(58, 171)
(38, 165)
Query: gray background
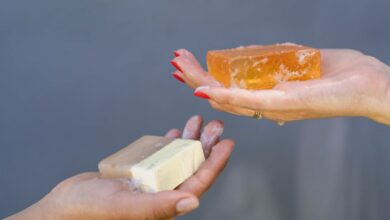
(80, 79)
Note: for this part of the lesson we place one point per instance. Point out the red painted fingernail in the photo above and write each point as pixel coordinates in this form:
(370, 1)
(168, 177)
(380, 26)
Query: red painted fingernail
(178, 77)
(176, 53)
(176, 65)
(201, 94)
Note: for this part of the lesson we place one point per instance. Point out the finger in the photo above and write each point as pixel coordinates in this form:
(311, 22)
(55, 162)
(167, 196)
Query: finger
(211, 135)
(193, 127)
(162, 205)
(273, 116)
(179, 76)
(231, 109)
(184, 52)
(173, 133)
(186, 80)
(267, 100)
(192, 70)
(208, 172)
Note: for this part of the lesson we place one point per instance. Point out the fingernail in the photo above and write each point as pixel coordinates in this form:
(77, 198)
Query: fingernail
(178, 77)
(176, 53)
(187, 205)
(176, 65)
(201, 94)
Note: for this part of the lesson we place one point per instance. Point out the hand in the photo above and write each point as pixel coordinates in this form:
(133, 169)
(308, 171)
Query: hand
(352, 84)
(88, 196)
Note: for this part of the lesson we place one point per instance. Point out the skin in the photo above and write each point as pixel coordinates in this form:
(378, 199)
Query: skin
(88, 196)
(352, 84)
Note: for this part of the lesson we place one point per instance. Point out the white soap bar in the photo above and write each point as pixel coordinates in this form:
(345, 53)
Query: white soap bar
(155, 163)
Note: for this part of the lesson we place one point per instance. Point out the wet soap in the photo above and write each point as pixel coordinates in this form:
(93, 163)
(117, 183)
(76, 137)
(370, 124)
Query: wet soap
(262, 67)
(155, 163)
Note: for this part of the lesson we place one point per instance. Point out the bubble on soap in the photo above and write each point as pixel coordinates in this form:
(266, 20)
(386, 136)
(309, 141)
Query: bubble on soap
(242, 84)
(278, 77)
(262, 61)
(302, 55)
(234, 59)
(131, 184)
(235, 72)
(284, 74)
(288, 44)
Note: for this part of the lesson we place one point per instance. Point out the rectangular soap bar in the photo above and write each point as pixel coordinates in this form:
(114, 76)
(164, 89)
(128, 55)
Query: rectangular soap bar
(262, 67)
(155, 163)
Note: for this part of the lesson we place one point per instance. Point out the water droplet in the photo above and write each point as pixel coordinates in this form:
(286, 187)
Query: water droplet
(281, 123)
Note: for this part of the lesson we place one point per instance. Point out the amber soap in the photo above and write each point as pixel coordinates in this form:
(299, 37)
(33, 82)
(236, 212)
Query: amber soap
(154, 163)
(262, 67)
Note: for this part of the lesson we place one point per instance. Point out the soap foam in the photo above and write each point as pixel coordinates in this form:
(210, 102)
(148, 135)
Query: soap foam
(288, 44)
(285, 74)
(262, 61)
(131, 184)
(216, 132)
(302, 55)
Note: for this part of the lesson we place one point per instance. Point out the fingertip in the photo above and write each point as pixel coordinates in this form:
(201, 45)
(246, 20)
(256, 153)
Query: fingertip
(215, 127)
(192, 128)
(231, 142)
(196, 118)
(204, 92)
(186, 205)
(167, 204)
(176, 64)
(218, 121)
(183, 52)
(179, 76)
(173, 133)
(226, 143)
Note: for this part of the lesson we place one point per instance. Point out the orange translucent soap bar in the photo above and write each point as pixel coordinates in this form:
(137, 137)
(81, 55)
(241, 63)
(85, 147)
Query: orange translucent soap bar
(262, 67)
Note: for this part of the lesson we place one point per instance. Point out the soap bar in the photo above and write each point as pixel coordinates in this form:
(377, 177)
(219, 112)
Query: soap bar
(262, 67)
(155, 163)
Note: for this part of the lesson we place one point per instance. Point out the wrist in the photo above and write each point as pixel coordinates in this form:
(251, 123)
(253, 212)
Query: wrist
(41, 210)
(380, 111)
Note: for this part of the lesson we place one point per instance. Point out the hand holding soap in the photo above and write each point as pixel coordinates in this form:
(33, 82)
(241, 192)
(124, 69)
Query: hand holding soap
(155, 163)
(262, 67)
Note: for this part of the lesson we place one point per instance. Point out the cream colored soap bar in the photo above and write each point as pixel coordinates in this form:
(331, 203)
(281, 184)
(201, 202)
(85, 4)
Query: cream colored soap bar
(155, 163)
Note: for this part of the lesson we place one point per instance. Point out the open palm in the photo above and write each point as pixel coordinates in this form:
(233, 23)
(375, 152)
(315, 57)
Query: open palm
(88, 196)
(352, 84)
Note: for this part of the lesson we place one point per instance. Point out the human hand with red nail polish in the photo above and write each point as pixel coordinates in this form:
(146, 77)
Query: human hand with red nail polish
(352, 84)
(190, 71)
(88, 196)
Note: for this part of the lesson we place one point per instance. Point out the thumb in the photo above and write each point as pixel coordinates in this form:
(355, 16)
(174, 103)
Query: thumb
(162, 205)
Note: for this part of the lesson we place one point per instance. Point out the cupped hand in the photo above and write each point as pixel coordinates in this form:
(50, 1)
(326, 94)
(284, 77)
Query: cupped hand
(352, 84)
(88, 196)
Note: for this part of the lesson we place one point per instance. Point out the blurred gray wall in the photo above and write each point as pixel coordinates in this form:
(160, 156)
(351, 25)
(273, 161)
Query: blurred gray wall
(80, 79)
